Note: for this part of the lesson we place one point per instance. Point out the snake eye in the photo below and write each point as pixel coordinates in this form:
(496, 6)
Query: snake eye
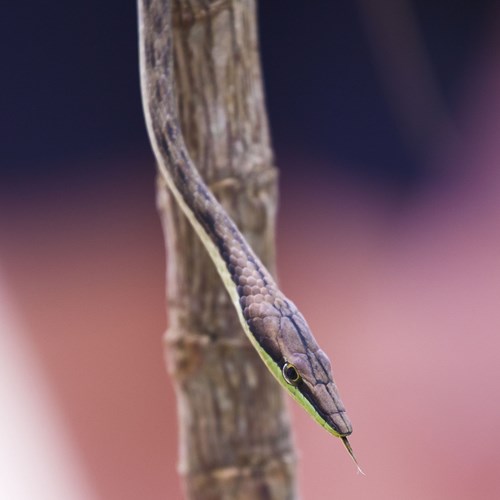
(290, 374)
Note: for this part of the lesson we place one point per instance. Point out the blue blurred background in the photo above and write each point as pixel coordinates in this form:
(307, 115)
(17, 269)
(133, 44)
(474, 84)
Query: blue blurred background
(71, 88)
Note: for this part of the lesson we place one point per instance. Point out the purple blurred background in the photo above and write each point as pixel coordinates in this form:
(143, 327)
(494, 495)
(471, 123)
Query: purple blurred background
(386, 124)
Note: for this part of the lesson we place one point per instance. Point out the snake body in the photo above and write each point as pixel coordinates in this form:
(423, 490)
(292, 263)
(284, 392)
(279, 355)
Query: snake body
(273, 324)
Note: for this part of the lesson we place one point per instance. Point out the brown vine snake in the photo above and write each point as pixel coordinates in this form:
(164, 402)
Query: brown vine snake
(273, 324)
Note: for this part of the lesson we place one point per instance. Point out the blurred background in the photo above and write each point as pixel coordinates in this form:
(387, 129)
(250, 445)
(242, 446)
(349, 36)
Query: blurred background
(386, 122)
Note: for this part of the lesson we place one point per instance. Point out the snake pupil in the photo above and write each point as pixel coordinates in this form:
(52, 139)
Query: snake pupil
(290, 373)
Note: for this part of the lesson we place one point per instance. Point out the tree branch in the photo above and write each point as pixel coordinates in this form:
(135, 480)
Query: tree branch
(235, 438)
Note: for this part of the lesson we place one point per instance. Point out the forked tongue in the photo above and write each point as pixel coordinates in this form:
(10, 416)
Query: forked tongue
(351, 453)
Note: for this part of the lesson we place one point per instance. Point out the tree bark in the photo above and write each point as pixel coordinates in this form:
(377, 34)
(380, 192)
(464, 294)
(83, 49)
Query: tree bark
(235, 436)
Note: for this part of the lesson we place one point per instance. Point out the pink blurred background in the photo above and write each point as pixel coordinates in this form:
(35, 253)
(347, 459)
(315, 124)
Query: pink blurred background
(397, 274)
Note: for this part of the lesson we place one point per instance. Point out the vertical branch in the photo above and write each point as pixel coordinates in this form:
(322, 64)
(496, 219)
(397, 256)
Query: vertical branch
(235, 438)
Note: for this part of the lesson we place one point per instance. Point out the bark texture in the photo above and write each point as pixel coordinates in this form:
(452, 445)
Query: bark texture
(235, 437)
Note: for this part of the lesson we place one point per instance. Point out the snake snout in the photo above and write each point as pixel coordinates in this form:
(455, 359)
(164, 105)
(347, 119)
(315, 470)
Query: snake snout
(340, 423)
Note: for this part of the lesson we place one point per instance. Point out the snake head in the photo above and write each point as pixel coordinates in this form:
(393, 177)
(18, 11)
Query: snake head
(307, 373)
(309, 377)
(289, 348)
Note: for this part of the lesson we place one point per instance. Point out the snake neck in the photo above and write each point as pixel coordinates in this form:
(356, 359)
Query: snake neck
(213, 224)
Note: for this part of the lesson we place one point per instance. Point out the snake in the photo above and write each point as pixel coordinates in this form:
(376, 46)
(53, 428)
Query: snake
(273, 324)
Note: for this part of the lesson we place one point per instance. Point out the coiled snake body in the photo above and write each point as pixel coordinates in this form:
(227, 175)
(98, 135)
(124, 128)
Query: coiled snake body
(275, 327)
